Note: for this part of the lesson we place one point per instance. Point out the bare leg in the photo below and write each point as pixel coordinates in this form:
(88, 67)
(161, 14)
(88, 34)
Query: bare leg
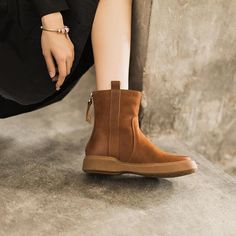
(111, 37)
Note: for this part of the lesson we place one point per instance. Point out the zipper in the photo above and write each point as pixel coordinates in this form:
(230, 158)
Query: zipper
(88, 112)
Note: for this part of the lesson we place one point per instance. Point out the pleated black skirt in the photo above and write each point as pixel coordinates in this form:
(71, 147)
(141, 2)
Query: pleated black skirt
(24, 81)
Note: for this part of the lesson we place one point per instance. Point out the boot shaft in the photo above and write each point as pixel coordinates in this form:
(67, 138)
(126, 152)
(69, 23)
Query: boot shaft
(114, 110)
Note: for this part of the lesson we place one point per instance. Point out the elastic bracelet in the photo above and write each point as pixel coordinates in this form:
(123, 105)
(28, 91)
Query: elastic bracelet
(64, 30)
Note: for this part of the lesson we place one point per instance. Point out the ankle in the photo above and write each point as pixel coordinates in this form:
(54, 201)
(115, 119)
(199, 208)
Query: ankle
(105, 85)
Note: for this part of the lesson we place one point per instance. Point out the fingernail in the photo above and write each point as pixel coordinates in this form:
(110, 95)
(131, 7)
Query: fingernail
(58, 88)
(51, 74)
(55, 78)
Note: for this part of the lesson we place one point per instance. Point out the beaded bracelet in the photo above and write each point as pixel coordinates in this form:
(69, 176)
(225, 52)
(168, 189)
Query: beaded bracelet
(64, 30)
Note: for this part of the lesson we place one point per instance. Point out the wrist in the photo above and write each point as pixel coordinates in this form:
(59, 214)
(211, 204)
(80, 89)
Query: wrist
(52, 20)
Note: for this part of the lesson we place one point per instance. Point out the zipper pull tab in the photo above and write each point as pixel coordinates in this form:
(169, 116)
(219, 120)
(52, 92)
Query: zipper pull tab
(88, 114)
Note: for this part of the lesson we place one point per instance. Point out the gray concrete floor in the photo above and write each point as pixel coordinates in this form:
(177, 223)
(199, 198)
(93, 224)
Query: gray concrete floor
(43, 190)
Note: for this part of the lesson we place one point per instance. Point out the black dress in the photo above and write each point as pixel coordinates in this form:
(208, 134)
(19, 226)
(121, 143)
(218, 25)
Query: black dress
(25, 84)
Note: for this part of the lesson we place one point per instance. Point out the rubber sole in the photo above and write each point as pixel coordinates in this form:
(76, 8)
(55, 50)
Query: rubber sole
(111, 166)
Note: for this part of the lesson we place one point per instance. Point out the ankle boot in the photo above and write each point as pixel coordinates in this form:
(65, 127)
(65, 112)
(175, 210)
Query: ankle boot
(117, 144)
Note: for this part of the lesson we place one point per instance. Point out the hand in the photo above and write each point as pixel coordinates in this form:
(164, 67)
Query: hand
(57, 46)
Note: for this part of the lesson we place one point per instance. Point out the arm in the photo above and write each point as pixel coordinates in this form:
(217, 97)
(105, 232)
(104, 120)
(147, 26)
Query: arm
(45, 7)
(55, 46)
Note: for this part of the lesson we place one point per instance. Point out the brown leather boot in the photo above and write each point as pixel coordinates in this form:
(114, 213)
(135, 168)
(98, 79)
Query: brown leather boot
(117, 144)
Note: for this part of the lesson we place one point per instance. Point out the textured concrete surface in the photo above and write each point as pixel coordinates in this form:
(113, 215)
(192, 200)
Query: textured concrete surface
(185, 62)
(44, 192)
(189, 73)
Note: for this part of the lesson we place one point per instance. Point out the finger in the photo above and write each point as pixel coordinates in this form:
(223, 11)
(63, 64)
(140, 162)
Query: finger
(62, 72)
(69, 63)
(55, 78)
(50, 65)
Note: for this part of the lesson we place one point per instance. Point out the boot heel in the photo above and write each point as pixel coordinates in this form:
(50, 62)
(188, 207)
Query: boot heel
(101, 165)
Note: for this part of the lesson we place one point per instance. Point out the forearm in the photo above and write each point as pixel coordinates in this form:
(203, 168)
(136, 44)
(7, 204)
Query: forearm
(52, 20)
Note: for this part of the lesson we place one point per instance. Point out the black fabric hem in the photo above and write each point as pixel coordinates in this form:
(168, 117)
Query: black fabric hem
(9, 108)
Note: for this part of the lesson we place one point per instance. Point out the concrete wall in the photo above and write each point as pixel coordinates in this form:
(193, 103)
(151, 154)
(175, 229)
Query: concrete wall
(188, 72)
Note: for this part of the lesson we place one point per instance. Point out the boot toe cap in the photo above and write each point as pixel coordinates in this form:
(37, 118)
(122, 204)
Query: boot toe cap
(175, 157)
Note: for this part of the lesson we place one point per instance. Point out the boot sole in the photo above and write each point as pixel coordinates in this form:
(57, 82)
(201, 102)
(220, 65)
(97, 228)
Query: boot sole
(111, 166)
